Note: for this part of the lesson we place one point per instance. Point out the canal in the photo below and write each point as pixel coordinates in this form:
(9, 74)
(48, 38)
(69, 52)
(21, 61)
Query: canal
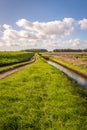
(81, 80)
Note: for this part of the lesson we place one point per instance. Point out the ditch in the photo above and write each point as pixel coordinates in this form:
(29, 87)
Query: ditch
(81, 80)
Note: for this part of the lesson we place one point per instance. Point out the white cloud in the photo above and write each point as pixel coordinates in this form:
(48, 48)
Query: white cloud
(36, 34)
(69, 20)
(83, 24)
(1, 42)
(5, 26)
(10, 34)
(27, 35)
(24, 23)
(49, 28)
(72, 43)
(75, 42)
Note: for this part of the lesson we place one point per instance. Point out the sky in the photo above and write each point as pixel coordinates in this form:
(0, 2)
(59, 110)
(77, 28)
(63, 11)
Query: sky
(47, 24)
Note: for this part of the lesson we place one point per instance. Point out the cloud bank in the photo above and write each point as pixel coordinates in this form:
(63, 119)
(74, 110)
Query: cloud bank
(49, 28)
(83, 24)
(49, 35)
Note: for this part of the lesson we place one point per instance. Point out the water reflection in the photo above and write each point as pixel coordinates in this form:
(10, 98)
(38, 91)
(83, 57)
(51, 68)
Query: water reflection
(78, 78)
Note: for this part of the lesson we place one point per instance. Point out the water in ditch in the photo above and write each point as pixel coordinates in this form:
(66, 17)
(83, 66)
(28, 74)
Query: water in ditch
(77, 77)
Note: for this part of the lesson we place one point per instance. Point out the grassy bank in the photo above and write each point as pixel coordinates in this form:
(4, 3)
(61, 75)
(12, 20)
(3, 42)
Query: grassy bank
(10, 58)
(11, 67)
(40, 97)
(80, 69)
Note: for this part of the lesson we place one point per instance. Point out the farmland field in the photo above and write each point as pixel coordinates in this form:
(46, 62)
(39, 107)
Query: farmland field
(77, 61)
(9, 58)
(40, 97)
(76, 58)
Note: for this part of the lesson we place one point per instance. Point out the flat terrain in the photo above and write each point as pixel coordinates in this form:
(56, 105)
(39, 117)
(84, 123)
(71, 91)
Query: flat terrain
(74, 58)
(11, 60)
(40, 97)
(18, 68)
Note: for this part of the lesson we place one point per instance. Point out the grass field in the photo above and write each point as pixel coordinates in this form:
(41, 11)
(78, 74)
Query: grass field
(9, 58)
(40, 97)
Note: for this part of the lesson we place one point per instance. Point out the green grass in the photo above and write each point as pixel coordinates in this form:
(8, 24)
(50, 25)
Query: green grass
(40, 97)
(10, 67)
(9, 58)
(81, 56)
(80, 68)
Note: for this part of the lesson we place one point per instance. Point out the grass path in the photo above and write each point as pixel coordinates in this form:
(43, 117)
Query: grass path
(40, 97)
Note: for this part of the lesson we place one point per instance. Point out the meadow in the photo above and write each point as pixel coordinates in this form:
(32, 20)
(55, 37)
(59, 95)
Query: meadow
(11, 60)
(40, 97)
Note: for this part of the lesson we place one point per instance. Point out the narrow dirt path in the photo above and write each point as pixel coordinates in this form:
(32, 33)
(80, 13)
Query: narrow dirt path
(10, 72)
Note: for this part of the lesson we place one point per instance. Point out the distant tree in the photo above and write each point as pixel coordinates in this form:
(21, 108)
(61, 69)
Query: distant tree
(85, 50)
(36, 50)
(68, 50)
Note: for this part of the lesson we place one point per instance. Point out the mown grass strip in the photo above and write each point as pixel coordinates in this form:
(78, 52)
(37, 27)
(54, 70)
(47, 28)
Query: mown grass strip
(40, 97)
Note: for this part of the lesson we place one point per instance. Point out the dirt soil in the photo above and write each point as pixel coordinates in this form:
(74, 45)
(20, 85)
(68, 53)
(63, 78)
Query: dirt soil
(72, 58)
(10, 72)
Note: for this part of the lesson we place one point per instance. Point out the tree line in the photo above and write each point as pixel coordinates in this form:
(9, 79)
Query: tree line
(36, 50)
(70, 50)
(56, 50)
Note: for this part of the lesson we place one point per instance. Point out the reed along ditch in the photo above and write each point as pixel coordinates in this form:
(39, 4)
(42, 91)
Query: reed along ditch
(81, 80)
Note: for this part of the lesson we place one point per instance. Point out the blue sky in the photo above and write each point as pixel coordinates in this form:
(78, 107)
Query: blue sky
(46, 24)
